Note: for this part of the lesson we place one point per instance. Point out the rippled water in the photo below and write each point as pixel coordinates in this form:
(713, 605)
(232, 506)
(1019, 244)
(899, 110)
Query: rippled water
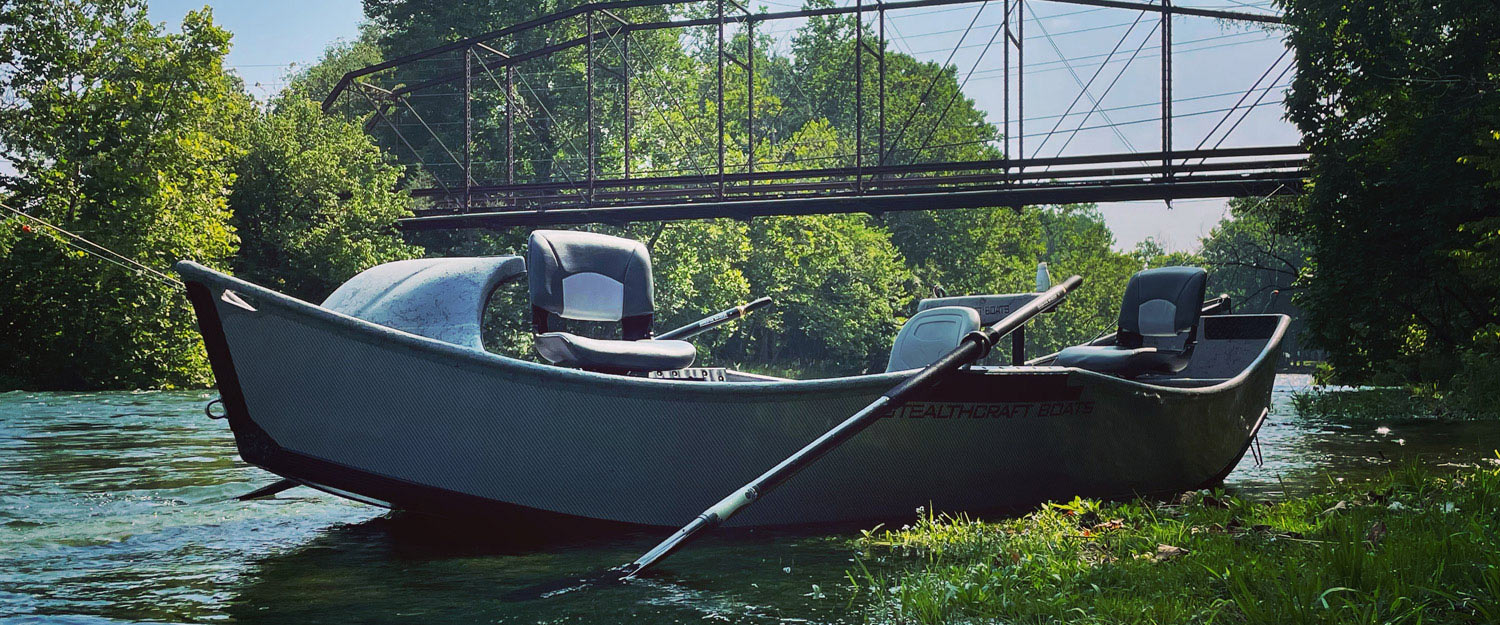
(119, 507)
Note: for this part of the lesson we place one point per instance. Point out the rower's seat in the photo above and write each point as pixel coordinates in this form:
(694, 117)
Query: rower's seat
(585, 276)
(1157, 328)
(930, 335)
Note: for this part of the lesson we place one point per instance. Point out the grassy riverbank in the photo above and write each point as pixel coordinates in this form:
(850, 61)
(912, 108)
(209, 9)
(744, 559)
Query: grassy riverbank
(1412, 547)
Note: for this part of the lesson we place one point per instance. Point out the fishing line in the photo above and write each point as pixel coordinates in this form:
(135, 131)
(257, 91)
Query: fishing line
(125, 262)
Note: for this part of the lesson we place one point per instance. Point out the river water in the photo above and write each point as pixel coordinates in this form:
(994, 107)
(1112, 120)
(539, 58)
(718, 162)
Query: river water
(118, 507)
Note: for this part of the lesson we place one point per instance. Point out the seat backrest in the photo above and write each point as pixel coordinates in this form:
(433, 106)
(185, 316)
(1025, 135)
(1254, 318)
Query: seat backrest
(590, 277)
(930, 334)
(1162, 307)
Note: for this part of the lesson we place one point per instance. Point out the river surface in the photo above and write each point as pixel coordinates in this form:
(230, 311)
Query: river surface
(118, 507)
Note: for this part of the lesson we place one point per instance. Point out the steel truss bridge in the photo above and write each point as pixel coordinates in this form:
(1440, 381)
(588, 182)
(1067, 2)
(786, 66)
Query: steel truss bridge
(480, 181)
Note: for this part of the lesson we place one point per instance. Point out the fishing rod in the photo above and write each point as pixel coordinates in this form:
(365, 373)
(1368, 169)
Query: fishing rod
(973, 347)
(124, 262)
(708, 323)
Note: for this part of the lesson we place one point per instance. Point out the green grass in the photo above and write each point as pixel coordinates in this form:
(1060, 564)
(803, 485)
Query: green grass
(1413, 548)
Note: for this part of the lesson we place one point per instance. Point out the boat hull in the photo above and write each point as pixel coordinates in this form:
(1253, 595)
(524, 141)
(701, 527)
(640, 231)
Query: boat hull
(384, 416)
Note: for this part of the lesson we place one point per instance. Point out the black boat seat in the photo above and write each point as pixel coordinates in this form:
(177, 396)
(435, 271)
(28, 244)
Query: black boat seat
(586, 276)
(1158, 326)
(582, 352)
(930, 334)
(1124, 362)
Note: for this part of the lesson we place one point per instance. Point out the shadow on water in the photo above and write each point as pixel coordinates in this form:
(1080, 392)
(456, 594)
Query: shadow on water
(119, 507)
(404, 567)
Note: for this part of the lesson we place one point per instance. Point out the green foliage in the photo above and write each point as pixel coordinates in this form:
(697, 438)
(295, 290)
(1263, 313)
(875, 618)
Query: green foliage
(1366, 404)
(125, 135)
(981, 250)
(1412, 548)
(1397, 103)
(1254, 261)
(838, 284)
(1475, 389)
(1078, 242)
(314, 203)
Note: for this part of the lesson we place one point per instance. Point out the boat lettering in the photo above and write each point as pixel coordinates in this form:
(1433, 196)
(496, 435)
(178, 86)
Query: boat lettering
(1008, 410)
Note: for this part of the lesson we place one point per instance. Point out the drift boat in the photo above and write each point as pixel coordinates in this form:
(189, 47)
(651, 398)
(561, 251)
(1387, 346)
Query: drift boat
(384, 394)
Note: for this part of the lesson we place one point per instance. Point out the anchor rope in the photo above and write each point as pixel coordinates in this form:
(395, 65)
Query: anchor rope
(108, 255)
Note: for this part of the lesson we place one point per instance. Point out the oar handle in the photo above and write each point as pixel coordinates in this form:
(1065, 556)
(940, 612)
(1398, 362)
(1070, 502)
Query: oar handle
(973, 347)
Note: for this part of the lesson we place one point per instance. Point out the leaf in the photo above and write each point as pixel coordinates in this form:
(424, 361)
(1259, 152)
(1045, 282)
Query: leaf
(1165, 552)
(1375, 534)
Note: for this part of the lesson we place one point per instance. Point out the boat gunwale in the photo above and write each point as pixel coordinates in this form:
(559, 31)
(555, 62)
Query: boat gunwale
(442, 352)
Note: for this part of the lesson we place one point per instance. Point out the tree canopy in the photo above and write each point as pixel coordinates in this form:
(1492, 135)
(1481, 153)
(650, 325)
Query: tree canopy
(138, 140)
(315, 202)
(125, 135)
(1397, 102)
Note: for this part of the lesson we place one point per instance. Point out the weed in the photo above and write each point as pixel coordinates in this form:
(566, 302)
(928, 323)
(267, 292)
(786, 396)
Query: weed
(1418, 547)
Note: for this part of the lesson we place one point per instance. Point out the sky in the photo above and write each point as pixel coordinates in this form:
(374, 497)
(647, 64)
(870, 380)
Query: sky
(1214, 62)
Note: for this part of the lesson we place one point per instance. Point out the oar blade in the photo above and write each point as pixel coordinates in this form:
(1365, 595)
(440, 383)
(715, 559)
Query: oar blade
(553, 588)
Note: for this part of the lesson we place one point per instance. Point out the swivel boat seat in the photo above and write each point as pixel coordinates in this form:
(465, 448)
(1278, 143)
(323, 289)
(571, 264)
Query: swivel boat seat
(1157, 329)
(585, 276)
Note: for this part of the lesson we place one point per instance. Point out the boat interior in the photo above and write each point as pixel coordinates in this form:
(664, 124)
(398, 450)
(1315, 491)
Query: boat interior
(1167, 334)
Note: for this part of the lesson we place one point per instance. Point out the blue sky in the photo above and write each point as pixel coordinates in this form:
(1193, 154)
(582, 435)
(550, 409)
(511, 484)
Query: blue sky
(271, 35)
(1214, 61)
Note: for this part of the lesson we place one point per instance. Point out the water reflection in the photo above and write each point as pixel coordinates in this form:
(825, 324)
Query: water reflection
(119, 507)
(403, 568)
(1301, 453)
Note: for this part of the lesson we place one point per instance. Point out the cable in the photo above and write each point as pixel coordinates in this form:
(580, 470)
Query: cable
(941, 69)
(957, 92)
(1107, 89)
(1098, 71)
(1263, 95)
(1076, 79)
(1246, 94)
(1175, 50)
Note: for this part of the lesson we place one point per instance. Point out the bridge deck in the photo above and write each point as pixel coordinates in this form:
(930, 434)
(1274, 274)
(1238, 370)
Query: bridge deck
(1094, 178)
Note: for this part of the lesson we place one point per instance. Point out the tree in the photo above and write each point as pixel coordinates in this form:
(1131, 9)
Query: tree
(1252, 260)
(839, 286)
(125, 135)
(1391, 98)
(1078, 242)
(315, 201)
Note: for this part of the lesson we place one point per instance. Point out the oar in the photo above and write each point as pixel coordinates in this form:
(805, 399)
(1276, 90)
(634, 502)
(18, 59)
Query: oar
(972, 348)
(269, 491)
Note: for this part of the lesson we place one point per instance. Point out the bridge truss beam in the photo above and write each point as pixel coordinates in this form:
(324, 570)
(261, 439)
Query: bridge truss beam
(877, 184)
